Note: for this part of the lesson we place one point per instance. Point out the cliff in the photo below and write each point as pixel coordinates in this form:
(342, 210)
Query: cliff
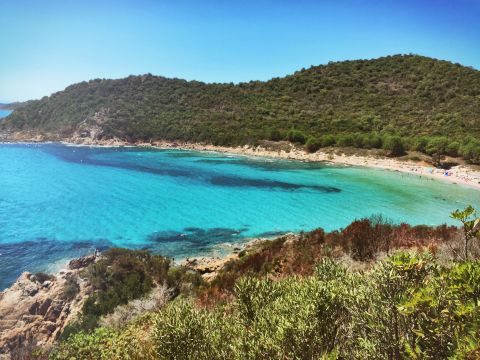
(37, 307)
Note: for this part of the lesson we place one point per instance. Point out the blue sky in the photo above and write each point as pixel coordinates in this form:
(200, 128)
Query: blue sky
(47, 45)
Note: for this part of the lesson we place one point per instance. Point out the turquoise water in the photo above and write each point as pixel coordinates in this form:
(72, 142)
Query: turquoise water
(57, 202)
(4, 113)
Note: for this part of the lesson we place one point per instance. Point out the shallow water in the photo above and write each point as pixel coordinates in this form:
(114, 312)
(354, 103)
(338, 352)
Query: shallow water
(4, 113)
(57, 202)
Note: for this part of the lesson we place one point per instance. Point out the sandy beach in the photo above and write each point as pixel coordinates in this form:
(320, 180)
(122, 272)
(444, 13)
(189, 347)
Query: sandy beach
(460, 174)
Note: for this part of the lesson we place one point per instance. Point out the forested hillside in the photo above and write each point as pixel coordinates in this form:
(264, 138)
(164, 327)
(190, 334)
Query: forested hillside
(432, 105)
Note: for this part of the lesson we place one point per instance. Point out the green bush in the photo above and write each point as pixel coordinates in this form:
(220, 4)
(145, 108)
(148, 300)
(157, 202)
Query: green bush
(275, 135)
(406, 306)
(373, 141)
(296, 136)
(470, 150)
(122, 275)
(345, 140)
(394, 145)
(327, 140)
(437, 146)
(313, 145)
(184, 332)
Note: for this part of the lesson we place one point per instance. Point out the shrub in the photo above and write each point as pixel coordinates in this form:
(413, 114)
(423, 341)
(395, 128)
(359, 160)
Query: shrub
(406, 306)
(360, 141)
(443, 315)
(123, 314)
(453, 148)
(361, 240)
(373, 141)
(182, 331)
(394, 145)
(296, 136)
(275, 135)
(437, 146)
(105, 344)
(420, 144)
(327, 140)
(345, 140)
(470, 150)
(312, 145)
(123, 275)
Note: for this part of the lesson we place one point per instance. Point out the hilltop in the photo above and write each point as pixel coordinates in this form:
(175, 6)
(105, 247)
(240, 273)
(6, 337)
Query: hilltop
(11, 106)
(425, 104)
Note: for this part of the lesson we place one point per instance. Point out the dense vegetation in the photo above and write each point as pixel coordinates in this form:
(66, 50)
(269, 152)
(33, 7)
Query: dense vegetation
(373, 290)
(396, 103)
(406, 306)
(123, 275)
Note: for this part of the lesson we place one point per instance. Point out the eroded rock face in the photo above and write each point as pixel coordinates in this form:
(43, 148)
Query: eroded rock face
(34, 312)
(82, 262)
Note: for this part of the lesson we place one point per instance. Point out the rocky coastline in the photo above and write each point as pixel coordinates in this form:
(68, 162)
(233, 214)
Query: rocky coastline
(37, 307)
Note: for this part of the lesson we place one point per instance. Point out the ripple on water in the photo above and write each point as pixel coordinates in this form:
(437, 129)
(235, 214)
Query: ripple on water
(58, 202)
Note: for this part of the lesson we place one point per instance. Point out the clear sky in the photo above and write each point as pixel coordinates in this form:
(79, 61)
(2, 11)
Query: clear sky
(45, 45)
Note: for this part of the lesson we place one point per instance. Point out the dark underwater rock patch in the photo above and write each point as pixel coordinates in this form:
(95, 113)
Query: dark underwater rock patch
(83, 155)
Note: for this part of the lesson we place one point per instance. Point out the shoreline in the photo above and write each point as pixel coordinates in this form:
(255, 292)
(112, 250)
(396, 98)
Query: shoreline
(462, 175)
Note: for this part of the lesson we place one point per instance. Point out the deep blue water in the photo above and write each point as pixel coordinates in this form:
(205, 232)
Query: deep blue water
(57, 202)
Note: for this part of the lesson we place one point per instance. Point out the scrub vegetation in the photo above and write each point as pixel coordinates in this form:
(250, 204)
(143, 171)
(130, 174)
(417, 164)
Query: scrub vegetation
(395, 103)
(373, 290)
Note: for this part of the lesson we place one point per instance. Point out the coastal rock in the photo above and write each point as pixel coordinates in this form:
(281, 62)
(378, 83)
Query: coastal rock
(206, 266)
(81, 262)
(33, 313)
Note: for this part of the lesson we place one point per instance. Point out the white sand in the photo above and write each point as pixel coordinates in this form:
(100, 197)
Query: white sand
(460, 174)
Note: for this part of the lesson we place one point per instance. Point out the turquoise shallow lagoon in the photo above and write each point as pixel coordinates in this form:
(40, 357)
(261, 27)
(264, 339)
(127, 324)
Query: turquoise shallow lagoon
(57, 202)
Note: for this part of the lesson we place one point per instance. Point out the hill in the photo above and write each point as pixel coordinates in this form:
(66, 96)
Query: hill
(351, 103)
(11, 106)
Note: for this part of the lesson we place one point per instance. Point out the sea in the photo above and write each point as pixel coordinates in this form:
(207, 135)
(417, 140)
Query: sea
(58, 202)
(4, 113)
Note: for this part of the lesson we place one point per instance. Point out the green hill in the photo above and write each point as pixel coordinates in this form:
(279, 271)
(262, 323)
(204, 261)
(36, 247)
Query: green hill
(358, 103)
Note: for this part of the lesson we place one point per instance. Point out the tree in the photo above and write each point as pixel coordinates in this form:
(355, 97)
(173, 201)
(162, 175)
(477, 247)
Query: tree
(312, 145)
(296, 136)
(394, 145)
(437, 147)
(328, 140)
(471, 225)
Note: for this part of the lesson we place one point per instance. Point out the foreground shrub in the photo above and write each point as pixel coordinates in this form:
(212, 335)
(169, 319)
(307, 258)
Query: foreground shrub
(445, 314)
(406, 306)
(124, 275)
(123, 314)
(108, 344)
(184, 332)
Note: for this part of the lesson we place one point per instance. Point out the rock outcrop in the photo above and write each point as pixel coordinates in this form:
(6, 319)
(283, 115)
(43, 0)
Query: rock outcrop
(34, 312)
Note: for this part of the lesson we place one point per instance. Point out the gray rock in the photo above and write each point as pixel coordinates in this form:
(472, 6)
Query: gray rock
(30, 289)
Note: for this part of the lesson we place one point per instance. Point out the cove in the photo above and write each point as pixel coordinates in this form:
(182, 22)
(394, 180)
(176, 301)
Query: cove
(58, 202)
